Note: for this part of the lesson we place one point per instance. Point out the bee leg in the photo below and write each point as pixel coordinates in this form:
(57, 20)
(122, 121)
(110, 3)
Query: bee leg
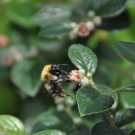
(67, 94)
(62, 94)
(67, 80)
(58, 81)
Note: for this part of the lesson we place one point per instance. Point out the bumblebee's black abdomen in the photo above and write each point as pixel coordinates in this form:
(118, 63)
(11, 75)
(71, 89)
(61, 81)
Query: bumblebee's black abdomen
(56, 90)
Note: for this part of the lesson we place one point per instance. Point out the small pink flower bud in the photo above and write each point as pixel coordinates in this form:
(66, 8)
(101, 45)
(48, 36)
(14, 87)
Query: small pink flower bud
(83, 30)
(7, 60)
(74, 76)
(4, 41)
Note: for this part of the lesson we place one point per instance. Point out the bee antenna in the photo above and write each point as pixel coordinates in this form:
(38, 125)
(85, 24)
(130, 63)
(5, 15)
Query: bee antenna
(63, 64)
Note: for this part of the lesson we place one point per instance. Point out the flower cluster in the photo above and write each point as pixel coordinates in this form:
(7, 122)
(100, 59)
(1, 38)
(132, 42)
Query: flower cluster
(83, 29)
(80, 77)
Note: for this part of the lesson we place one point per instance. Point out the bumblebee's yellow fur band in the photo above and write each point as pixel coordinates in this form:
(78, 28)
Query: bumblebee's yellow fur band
(45, 74)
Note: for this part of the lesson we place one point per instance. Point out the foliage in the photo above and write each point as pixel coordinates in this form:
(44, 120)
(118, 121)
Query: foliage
(85, 38)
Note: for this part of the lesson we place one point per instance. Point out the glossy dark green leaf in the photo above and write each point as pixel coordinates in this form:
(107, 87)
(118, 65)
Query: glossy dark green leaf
(108, 91)
(53, 120)
(105, 8)
(90, 101)
(53, 13)
(83, 58)
(10, 125)
(103, 128)
(50, 132)
(55, 30)
(126, 49)
(26, 75)
(124, 117)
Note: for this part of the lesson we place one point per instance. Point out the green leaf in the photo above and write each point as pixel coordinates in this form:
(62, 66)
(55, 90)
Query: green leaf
(108, 91)
(53, 120)
(10, 125)
(56, 30)
(26, 75)
(105, 8)
(124, 117)
(83, 58)
(103, 128)
(54, 20)
(51, 132)
(21, 13)
(46, 44)
(128, 99)
(53, 13)
(90, 101)
(126, 49)
(28, 113)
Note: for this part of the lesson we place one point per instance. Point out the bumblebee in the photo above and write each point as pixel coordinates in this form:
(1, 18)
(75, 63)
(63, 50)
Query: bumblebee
(53, 76)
